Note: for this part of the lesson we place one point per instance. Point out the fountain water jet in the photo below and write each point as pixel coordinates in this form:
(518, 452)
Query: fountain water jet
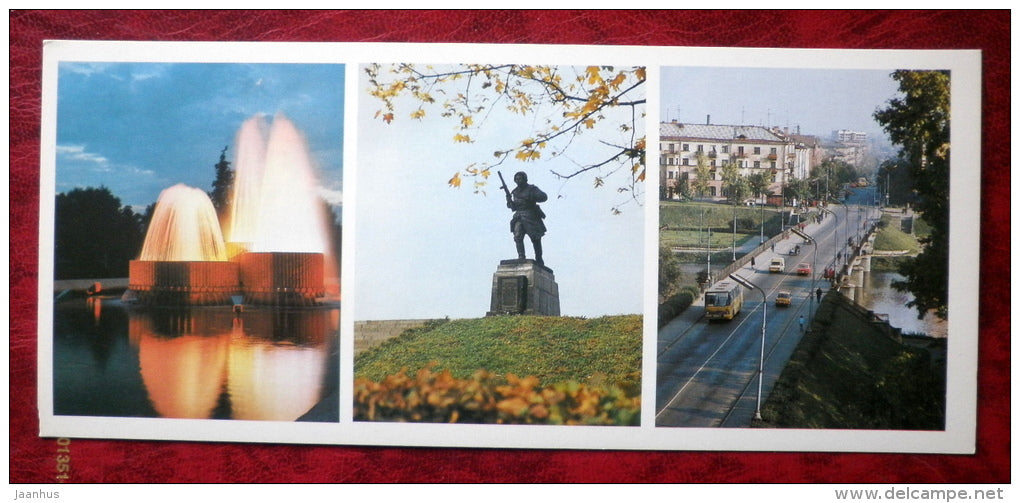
(278, 218)
(246, 193)
(277, 241)
(184, 228)
(183, 259)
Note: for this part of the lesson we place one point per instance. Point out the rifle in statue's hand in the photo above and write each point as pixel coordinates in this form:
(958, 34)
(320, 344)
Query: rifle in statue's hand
(509, 200)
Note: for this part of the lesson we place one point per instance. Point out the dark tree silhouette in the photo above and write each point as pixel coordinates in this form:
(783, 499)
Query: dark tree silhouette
(222, 185)
(95, 237)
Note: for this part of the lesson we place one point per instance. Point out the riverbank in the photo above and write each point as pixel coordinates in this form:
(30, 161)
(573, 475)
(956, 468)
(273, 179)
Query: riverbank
(853, 371)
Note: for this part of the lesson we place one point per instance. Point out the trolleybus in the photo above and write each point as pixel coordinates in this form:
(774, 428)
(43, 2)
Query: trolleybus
(724, 300)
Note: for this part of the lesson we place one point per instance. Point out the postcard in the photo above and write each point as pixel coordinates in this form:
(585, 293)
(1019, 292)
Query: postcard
(513, 246)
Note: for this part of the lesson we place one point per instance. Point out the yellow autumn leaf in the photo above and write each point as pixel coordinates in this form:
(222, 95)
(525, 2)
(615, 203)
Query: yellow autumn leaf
(640, 73)
(455, 181)
(418, 114)
(466, 121)
(460, 138)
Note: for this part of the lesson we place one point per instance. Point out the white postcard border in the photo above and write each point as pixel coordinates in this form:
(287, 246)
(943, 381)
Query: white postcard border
(959, 436)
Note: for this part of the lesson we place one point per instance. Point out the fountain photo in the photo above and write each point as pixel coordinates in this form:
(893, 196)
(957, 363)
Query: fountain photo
(197, 224)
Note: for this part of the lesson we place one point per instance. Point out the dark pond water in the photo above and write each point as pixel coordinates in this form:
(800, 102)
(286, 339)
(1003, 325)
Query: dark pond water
(110, 359)
(880, 297)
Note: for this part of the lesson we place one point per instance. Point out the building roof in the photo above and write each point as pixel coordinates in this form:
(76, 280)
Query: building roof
(716, 132)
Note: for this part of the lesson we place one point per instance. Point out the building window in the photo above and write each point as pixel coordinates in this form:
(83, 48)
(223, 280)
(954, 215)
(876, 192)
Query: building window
(672, 147)
(686, 163)
(773, 164)
(757, 150)
(686, 147)
(701, 148)
(772, 150)
(757, 164)
(725, 149)
(740, 150)
(712, 163)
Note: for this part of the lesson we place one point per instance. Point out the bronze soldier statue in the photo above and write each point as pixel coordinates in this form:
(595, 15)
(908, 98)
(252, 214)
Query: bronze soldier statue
(527, 219)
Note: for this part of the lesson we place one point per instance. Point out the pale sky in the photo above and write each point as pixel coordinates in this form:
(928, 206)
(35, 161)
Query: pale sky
(819, 101)
(429, 250)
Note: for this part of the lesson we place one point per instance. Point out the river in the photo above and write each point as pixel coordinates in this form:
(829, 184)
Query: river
(879, 296)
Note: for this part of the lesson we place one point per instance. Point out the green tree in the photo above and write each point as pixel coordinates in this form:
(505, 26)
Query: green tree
(702, 175)
(797, 188)
(729, 175)
(670, 273)
(918, 121)
(570, 107)
(758, 183)
(94, 236)
(895, 181)
(222, 185)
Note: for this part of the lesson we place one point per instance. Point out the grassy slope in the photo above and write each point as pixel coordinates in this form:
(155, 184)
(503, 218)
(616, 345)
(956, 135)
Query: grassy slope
(891, 238)
(847, 374)
(554, 349)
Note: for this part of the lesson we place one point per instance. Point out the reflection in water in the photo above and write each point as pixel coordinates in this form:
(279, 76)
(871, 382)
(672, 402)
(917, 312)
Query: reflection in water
(276, 377)
(196, 363)
(879, 296)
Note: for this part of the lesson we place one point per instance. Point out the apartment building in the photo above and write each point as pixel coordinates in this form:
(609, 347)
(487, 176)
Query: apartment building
(753, 148)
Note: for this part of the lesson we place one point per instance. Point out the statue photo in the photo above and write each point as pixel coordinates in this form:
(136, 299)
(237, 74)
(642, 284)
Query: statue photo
(528, 216)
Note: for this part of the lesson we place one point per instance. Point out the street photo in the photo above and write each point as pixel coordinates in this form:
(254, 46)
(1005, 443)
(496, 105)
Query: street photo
(804, 271)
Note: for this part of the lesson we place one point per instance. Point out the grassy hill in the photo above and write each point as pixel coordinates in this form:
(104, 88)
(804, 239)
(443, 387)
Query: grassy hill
(604, 350)
(847, 372)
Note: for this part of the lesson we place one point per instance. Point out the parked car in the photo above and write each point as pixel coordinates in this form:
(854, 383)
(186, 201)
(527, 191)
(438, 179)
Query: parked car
(803, 269)
(777, 265)
(784, 298)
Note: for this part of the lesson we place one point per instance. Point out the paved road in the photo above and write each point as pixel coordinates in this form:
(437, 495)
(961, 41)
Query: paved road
(707, 372)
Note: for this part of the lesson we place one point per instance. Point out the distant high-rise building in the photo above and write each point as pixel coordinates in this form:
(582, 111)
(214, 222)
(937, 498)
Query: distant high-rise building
(848, 136)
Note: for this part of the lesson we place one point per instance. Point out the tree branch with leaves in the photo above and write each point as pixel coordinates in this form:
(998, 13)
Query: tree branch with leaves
(590, 116)
(918, 121)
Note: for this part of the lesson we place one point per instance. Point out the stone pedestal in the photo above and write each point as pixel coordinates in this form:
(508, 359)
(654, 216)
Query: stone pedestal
(521, 286)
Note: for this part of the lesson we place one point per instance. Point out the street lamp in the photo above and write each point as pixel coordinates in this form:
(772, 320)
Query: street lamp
(733, 244)
(814, 253)
(761, 358)
(762, 224)
(835, 238)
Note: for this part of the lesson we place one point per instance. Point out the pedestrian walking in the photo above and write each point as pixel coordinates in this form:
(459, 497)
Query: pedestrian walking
(752, 262)
(801, 321)
(773, 247)
(818, 294)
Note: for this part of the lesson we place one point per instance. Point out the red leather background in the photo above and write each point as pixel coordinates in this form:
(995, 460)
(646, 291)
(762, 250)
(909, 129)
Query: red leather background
(32, 459)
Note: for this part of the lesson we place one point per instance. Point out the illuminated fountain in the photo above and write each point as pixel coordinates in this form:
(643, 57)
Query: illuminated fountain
(183, 259)
(277, 249)
(279, 219)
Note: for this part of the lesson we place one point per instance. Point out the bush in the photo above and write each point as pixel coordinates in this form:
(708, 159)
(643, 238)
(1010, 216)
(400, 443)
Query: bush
(677, 304)
(438, 397)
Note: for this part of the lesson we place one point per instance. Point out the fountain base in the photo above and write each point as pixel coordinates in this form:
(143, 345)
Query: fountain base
(276, 278)
(282, 279)
(182, 283)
